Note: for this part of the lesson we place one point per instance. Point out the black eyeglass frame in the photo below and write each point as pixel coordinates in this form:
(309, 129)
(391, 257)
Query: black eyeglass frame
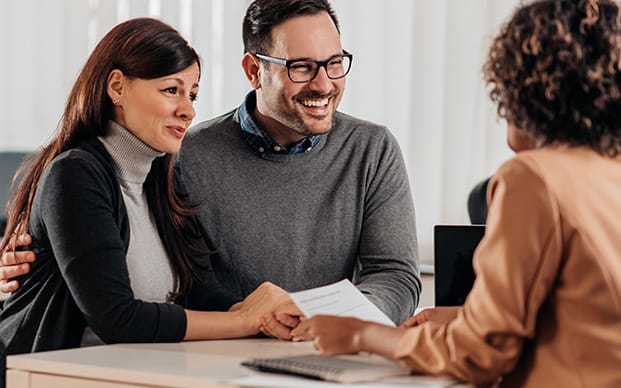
(289, 62)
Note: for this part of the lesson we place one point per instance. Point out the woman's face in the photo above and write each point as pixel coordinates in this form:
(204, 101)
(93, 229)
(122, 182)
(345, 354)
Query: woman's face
(157, 111)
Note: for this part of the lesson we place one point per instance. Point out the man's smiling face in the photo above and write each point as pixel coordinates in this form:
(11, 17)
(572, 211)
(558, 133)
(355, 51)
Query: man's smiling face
(290, 111)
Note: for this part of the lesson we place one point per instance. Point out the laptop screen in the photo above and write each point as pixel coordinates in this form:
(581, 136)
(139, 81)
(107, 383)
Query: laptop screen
(454, 246)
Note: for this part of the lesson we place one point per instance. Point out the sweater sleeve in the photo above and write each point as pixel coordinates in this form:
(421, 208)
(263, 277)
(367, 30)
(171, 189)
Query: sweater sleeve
(207, 293)
(516, 265)
(80, 212)
(388, 257)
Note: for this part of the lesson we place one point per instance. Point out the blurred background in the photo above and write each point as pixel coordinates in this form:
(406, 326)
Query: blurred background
(416, 69)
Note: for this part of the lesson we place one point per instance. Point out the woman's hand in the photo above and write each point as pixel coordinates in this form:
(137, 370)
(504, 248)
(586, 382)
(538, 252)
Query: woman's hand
(340, 335)
(440, 314)
(331, 334)
(278, 324)
(266, 298)
(241, 320)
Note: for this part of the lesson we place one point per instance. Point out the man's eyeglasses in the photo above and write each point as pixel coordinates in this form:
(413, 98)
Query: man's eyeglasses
(305, 70)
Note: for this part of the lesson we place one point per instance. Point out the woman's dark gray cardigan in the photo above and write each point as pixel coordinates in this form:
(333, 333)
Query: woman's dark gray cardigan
(81, 233)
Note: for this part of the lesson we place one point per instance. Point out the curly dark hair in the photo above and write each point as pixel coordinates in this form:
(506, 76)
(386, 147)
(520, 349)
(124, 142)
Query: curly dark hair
(554, 71)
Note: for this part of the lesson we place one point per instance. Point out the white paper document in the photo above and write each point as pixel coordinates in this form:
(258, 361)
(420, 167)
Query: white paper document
(340, 298)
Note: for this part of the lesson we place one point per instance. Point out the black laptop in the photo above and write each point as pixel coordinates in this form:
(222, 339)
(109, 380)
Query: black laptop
(454, 246)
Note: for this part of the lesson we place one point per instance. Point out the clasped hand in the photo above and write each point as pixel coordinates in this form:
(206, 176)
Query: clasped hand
(269, 309)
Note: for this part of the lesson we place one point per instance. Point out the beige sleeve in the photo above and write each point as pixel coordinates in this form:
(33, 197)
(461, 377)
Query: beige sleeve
(516, 265)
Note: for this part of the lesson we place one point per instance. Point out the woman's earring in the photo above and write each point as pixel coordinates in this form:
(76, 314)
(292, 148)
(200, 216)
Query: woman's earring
(116, 101)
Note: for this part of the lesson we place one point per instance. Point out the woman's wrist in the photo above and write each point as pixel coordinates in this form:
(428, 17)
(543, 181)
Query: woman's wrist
(379, 339)
(241, 322)
(366, 342)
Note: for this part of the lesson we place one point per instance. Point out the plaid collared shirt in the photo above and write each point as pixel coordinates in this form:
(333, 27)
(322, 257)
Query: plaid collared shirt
(261, 141)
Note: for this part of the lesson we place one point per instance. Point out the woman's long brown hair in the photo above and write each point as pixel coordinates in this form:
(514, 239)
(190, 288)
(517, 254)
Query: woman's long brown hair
(141, 48)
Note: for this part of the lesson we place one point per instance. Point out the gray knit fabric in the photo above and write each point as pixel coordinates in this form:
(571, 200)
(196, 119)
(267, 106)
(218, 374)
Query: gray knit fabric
(147, 261)
(150, 272)
(310, 219)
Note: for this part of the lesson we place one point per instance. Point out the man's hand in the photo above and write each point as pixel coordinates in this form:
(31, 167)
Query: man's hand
(265, 299)
(440, 314)
(278, 324)
(15, 263)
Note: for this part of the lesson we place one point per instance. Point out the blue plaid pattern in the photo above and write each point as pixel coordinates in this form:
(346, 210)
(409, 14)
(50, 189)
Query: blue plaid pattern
(261, 141)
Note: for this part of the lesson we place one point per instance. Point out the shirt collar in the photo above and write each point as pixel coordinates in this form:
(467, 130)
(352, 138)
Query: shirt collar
(260, 141)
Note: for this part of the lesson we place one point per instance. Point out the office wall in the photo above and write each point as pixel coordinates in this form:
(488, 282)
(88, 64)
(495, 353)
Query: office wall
(416, 69)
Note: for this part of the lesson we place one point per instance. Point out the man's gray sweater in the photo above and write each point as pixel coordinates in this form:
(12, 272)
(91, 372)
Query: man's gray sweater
(341, 210)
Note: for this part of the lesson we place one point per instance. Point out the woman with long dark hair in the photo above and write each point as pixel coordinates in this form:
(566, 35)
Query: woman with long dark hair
(120, 257)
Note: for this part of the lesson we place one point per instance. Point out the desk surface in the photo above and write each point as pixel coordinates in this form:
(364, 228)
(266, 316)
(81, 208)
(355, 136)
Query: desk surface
(186, 364)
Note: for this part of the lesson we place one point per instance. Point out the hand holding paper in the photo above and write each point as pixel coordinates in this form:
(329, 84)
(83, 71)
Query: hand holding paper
(341, 299)
(344, 311)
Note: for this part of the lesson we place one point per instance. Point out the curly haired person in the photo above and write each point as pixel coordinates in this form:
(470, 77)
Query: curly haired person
(545, 309)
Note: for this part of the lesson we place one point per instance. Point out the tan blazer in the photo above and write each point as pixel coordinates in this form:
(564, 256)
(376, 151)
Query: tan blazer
(545, 309)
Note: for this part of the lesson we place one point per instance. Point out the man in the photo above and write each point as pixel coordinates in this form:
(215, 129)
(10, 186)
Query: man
(292, 191)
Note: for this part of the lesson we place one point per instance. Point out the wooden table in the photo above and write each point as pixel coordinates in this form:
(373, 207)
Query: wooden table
(187, 364)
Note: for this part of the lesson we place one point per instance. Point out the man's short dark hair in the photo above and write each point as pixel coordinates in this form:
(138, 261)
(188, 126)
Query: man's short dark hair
(263, 15)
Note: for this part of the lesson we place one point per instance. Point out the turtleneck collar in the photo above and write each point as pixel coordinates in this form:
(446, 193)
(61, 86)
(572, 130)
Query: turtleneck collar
(132, 158)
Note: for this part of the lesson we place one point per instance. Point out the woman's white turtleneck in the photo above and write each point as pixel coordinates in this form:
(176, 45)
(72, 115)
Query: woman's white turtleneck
(150, 272)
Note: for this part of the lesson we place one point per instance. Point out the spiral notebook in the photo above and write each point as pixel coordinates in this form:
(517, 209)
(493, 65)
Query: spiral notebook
(339, 369)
